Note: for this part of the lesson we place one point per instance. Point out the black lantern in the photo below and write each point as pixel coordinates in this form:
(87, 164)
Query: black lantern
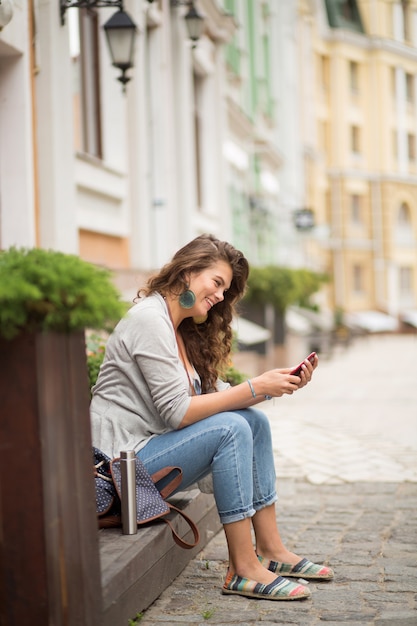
(193, 20)
(6, 12)
(120, 32)
(304, 219)
(194, 23)
(121, 35)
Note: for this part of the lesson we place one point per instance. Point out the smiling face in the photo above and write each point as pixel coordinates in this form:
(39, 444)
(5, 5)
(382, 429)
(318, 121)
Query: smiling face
(209, 286)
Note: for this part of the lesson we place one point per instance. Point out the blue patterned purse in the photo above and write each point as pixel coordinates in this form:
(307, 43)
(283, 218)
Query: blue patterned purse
(151, 492)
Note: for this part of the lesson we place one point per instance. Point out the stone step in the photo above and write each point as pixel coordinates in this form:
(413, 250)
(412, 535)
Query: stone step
(136, 569)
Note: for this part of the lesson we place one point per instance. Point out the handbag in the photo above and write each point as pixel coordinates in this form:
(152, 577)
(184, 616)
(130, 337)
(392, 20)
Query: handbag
(151, 502)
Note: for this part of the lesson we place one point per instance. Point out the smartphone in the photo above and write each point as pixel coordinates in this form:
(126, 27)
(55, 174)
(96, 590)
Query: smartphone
(296, 371)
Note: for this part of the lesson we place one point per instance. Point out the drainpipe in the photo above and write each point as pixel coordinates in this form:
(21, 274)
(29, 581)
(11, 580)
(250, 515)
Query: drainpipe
(33, 72)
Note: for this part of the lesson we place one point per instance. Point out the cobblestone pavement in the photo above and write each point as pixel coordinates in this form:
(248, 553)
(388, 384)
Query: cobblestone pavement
(356, 420)
(346, 456)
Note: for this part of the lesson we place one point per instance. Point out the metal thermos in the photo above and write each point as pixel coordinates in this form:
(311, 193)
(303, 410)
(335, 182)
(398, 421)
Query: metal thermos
(128, 488)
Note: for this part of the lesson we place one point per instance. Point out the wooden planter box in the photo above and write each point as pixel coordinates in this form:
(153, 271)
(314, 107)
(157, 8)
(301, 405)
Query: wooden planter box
(49, 558)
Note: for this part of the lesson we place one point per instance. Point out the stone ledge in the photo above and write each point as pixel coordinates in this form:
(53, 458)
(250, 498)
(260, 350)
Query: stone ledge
(136, 569)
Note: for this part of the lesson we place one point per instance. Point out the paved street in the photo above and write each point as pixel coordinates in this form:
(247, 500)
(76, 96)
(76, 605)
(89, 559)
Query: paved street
(346, 457)
(357, 419)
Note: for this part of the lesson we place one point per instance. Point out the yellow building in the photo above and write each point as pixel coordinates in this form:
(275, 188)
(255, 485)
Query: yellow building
(359, 121)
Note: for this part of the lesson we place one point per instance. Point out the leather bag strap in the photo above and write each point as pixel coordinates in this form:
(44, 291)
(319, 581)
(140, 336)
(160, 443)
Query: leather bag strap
(173, 484)
(178, 540)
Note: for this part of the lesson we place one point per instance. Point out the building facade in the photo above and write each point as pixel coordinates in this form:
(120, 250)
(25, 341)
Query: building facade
(290, 129)
(121, 179)
(359, 134)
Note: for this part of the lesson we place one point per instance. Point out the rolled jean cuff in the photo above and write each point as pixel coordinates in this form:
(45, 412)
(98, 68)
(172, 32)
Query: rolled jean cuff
(261, 504)
(236, 516)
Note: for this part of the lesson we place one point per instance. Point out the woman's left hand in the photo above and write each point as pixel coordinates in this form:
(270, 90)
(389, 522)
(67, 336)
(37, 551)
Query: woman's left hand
(307, 370)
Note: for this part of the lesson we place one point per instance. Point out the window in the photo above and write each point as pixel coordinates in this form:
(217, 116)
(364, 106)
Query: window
(411, 146)
(323, 137)
(409, 88)
(205, 166)
(358, 278)
(404, 216)
(269, 103)
(323, 71)
(354, 77)
(406, 280)
(404, 226)
(355, 209)
(344, 14)
(394, 82)
(347, 10)
(405, 9)
(84, 45)
(198, 136)
(395, 144)
(355, 139)
(233, 56)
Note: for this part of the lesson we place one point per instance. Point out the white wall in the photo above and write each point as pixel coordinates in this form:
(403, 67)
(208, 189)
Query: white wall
(58, 216)
(17, 192)
(144, 187)
(290, 88)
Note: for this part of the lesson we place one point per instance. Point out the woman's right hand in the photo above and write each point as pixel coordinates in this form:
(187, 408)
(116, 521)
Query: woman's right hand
(275, 383)
(278, 382)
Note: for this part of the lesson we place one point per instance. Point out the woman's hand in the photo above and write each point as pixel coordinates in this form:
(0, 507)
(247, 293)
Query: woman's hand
(278, 382)
(275, 383)
(307, 370)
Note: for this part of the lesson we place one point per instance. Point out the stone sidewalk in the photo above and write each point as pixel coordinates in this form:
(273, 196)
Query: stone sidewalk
(356, 420)
(366, 531)
(346, 458)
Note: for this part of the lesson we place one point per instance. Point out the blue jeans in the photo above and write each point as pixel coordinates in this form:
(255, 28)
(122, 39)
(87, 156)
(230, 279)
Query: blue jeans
(235, 446)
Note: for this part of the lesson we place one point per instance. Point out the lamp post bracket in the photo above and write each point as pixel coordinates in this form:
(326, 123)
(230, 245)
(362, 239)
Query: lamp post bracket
(87, 4)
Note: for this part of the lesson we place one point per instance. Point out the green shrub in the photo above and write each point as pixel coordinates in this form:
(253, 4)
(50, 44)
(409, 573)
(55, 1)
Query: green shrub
(282, 286)
(96, 347)
(234, 376)
(46, 290)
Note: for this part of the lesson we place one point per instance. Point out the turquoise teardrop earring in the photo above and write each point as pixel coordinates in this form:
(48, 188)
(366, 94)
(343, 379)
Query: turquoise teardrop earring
(187, 299)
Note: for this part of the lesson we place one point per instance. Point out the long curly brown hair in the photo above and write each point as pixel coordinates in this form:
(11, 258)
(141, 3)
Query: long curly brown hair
(208, 344)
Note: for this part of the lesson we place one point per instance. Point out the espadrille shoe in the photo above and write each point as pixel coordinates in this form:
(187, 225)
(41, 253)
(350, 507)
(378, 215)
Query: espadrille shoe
(304, 569)
(279, 589)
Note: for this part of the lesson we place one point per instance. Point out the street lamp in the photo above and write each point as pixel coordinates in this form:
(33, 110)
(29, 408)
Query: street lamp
(6, 12)
(120, 32)
(304, 219)
(121, 35)
(194, 21)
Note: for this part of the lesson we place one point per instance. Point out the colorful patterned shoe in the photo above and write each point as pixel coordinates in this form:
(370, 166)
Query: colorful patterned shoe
(279, 589)
(304, 569)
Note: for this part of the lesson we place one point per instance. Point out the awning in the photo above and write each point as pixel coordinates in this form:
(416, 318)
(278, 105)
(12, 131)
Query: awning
(409, 317)
(305, 321)
(372, 321)
(249, 333)
(297, 323)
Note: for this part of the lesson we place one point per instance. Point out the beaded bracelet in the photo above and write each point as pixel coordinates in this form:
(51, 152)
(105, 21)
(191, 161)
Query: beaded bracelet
(253, 391)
